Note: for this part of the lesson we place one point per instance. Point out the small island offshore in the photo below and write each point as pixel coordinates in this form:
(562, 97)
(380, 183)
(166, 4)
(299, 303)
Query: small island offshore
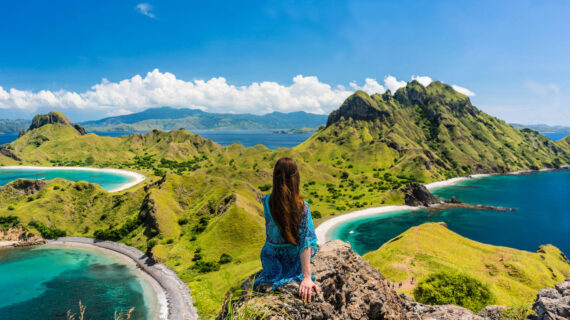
(195, 225)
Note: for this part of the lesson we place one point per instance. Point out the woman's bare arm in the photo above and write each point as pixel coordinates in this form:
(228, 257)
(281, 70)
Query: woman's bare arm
(307, 285)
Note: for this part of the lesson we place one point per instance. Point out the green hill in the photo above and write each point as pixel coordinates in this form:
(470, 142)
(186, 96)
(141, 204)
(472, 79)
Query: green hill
(201, 200)
(514, 276)
(166, 118)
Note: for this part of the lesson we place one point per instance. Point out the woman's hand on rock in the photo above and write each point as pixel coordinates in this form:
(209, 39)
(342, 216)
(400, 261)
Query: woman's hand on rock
(306, 289)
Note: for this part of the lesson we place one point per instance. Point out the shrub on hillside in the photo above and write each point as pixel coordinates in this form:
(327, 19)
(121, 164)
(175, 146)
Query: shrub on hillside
(7, 222)
(47, 232)
(447, 287)
(264, 187)
(206, 266)
(225, 258)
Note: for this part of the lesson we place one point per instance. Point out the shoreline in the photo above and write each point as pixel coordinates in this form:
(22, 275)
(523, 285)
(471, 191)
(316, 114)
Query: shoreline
(161, 308)
(172, 294)
(325, 228)
(7, 244)
(137, 177)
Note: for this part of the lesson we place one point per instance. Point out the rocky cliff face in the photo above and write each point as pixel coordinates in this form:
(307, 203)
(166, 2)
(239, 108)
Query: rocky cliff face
(351, 289)
(54, 117)
(358, 106)
(417, 194)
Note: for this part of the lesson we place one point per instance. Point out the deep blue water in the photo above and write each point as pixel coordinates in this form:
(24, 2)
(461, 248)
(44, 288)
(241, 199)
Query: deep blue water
(555, 136)
(106, 180)
(44, 282)
(7, 137)
(248, 138)
(542, 214)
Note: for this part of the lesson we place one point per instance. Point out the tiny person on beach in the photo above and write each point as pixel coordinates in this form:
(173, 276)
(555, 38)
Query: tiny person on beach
(291, 242)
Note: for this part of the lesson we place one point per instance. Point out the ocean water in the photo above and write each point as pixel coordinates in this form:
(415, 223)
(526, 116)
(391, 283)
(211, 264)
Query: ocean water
(248, 138)
(542, 214)
(555, 136)
(44, 282)
(106, 180)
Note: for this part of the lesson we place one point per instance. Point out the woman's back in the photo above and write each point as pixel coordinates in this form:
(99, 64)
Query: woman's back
(280, 259)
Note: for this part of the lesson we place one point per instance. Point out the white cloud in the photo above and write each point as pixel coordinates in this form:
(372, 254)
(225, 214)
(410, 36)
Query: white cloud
(155, 89)
(164, 89)
(145, 9)
(371, 86)
(393, 84)
(462, 90)
(423, 80)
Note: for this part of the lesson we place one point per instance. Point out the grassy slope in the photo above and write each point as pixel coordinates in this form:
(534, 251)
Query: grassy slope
(515, 276)
(378, 157)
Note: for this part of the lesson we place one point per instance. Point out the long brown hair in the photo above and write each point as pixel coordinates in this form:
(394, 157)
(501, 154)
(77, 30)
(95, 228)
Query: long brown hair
(285, 203)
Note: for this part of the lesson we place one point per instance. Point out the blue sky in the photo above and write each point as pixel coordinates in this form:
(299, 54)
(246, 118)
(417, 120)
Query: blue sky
(96, 58)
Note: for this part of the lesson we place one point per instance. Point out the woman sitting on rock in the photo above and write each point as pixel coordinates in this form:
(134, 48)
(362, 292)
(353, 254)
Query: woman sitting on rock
(290, 242)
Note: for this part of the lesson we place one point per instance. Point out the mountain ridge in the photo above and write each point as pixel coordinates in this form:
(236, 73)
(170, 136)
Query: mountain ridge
(168, 118)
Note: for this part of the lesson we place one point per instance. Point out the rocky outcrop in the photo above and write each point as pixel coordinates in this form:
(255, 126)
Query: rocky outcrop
(358, 106)
(350, 288)
(41, 120)
(552, 303)
(416, 194)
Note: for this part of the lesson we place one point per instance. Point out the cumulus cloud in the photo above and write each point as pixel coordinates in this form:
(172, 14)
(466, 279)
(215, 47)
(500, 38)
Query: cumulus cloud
(393, 84)
(145, 9)
(155, 89)
(462, 90)
(423, 80)
(371, 86)
(164, 89)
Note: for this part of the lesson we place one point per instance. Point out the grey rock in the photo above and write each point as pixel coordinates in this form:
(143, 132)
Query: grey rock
(349, 288)
(553, 303)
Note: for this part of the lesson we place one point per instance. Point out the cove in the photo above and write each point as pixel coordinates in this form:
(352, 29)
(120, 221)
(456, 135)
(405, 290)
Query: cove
(109, 179)
(44, 282)
(542, 214)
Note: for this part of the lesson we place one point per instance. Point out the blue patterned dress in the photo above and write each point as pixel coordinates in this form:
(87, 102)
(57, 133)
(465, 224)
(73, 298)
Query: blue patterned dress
(281, 261)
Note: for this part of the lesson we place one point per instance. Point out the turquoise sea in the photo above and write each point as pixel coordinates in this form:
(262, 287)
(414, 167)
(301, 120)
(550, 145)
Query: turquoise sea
(542, 214)
(106, 180)
(44, 282)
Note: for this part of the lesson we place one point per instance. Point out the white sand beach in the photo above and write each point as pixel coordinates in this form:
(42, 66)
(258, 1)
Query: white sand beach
(136, 177)
(7, 243)
(324, 229)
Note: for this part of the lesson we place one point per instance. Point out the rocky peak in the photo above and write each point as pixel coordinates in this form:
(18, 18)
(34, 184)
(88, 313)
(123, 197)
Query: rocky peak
(412, 93)
(53, 117)
(359, 106)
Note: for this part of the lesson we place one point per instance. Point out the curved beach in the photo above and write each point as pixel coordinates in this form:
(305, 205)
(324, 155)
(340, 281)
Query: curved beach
(173, 295)
(324, 229)
(136, 177)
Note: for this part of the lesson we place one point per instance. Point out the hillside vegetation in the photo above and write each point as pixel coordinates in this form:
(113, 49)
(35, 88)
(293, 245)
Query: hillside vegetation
(514, 276)
(199, 209)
